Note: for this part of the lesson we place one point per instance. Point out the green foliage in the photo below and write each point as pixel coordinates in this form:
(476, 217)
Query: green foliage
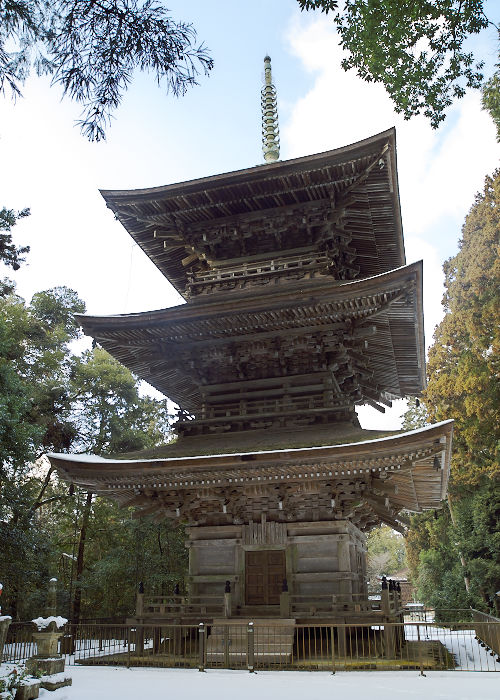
(416, 415)
(53, 400)
(10, 255)
(434, 561)
(386, 554)
(110, 415)
(15, 679)
(120, 552)
(414, 48)
(325, 6)
(92, 48)
(478, 535)
(464, 361)
(490, 98)
(447, 553)
(437, 550)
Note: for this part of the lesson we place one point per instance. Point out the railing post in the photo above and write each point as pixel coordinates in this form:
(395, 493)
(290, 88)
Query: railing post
(128, 647)
(227, 599)
(332, 641)
(251, 647)
(420, 652)
(201, 647)
(226, 646)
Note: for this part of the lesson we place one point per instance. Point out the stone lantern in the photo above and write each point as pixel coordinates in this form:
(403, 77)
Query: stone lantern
(48, 661)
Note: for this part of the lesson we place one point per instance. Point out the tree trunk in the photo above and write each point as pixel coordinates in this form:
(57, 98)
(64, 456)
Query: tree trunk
(77, 601)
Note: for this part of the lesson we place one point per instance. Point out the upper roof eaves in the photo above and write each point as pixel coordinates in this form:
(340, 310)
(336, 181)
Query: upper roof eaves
(259, 191)
(261, 171)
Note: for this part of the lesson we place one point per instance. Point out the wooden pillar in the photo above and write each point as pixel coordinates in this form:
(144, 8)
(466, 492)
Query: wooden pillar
(285, 604)
(139, 639)
(341, 641)
(344, 559)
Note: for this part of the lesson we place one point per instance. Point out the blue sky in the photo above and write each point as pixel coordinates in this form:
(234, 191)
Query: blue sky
(156, 140)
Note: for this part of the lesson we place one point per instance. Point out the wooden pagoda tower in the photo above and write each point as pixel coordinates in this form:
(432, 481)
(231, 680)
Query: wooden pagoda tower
(299, 306)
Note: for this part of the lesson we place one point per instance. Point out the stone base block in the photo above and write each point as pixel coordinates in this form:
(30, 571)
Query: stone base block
(55, 682)
(28, 692)
(48, 667)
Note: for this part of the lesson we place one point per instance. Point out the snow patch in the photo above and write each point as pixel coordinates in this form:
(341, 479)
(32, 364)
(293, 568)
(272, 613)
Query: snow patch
(43, 622)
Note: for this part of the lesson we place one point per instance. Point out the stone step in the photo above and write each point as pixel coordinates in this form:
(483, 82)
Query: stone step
(240, 658)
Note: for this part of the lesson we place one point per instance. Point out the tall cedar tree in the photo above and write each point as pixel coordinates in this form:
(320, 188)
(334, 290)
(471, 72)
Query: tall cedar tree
(464, 361)
(454, 554)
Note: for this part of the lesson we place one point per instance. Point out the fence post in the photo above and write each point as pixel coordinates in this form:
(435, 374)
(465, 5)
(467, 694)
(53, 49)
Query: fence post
(128, 647)
(251, 647)
(201, 647)
(420, 651)
(226, 646)
(332, 641)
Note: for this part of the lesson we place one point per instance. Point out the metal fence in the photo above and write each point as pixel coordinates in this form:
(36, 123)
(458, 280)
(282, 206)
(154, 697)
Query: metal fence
(271, 645)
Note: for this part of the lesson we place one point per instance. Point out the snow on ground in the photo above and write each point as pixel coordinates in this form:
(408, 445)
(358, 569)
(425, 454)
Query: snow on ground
(93, 683)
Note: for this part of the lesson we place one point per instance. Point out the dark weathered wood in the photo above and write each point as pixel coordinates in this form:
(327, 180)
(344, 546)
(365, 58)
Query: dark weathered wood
(295, 315)
(264, 574)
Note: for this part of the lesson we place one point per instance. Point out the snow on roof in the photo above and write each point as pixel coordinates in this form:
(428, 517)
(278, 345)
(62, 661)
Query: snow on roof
(91, 458)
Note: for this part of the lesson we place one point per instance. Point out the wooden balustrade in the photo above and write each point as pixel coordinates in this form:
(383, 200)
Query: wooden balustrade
(175, 606)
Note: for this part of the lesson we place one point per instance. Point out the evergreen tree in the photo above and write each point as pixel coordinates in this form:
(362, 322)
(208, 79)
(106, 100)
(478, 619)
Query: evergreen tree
(386, 554)
(52, 400)
(416, 415)
(454, 555)
(10, 254)
(91, 48)
(464, 361)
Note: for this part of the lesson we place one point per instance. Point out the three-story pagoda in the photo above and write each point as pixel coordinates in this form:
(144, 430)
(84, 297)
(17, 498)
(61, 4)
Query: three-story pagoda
(299, 306)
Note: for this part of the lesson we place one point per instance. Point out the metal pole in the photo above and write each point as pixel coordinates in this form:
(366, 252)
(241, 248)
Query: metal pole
(226, 646)
(251, 648)
(332, 641)
(420, 652)
(201, 647)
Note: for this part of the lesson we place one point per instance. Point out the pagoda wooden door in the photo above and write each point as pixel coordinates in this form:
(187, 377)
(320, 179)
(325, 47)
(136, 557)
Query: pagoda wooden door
(264, 574)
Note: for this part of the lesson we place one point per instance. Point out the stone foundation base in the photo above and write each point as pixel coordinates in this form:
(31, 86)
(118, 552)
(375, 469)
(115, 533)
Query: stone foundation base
(55, 682)
(28, 692)
(48, 667)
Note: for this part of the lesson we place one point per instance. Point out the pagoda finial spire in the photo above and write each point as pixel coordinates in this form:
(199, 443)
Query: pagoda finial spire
(270, 127)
